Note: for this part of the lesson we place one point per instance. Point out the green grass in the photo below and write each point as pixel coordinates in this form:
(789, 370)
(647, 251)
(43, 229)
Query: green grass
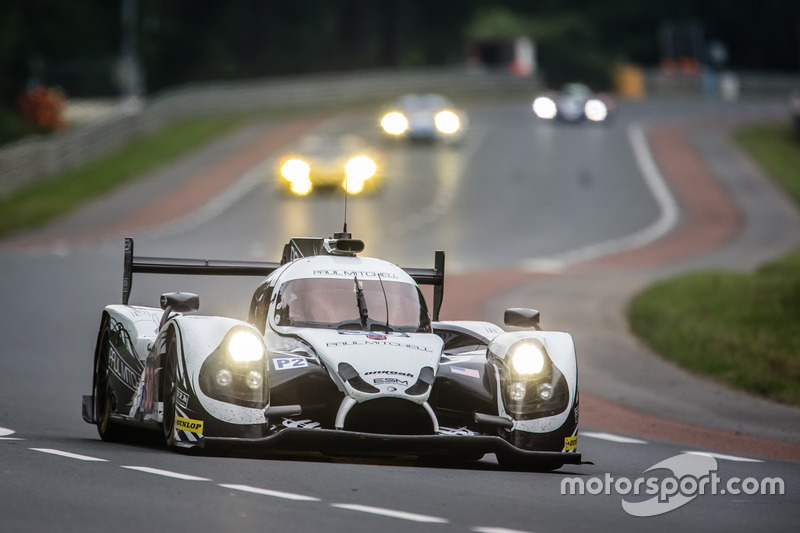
(776, 148)
(40, 202)
(741, 329)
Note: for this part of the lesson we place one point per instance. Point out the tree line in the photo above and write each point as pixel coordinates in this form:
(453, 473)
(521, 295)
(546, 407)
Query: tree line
(77, 44)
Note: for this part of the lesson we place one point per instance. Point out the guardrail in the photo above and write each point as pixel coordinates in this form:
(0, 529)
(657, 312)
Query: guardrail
(725, 85)
(38, 158)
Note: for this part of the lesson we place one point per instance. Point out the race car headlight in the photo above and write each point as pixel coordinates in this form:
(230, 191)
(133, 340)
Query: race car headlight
(447, 122)
(224, 377)
(297, 173)
(545, 107)
(394, 123)
(236, 372)
(244, 346)
(532, 386)
(360, 168)
(254, 379)
(527, 359)
(295, 170)
(595, 110)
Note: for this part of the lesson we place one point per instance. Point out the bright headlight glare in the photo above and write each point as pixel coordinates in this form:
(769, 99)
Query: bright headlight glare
(360, 168)
(595, 110)
(295, 170)
(545, 107)
(353, 186)
(527, 359)
(244, 347)
(394, 123)
(301, 187)
(447, 122)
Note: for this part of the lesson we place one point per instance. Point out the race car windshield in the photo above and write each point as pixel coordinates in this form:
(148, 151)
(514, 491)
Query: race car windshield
(333, 304)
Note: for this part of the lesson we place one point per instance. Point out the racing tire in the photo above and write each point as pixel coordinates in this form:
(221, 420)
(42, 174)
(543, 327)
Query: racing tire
(103, 394)
(169, 392)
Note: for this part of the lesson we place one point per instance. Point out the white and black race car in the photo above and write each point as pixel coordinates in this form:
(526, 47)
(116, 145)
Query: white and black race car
(339, 355)
(425, 117)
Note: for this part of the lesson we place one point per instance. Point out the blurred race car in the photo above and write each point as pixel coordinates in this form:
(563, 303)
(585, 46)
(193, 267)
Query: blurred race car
(320, 162)
(339, 355)
(426, 117)
(575, 103)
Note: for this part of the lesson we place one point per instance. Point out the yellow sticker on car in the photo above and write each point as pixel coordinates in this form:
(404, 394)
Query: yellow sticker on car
(187, 424)
(570, 443)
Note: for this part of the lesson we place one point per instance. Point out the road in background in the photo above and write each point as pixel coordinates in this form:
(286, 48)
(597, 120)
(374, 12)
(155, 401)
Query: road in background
(516, 189)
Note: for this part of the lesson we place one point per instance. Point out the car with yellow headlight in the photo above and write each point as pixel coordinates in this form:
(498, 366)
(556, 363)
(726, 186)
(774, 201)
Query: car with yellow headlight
(575, 103)
(330, 163)
(425, 117)
(340, 354)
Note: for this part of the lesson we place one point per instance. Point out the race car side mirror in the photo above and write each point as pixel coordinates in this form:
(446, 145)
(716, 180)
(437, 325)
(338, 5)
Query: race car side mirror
(177, 302)
(521, 317)
(180, 302)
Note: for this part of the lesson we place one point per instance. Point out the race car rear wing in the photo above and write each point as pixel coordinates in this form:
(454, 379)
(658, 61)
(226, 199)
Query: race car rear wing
(211, 267)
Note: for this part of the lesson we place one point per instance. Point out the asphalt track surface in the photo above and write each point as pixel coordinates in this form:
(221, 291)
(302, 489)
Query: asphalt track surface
(570, 220)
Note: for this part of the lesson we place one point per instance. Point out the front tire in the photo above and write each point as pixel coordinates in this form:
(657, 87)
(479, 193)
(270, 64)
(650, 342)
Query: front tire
(103, 393)
(169, 392)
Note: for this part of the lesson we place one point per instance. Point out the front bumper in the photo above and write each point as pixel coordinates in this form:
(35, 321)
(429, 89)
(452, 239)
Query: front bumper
(341, 442)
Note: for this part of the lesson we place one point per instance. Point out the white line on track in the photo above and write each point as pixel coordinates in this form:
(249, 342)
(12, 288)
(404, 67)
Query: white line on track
(726, 457)
(497, 530)
(273, 493)
(68, 454)
(667, 219)
(243, 186)
(611, 437)
(166, 473)
(391, 513)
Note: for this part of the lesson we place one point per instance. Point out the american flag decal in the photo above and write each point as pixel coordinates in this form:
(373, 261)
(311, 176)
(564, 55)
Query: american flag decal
(471, 372)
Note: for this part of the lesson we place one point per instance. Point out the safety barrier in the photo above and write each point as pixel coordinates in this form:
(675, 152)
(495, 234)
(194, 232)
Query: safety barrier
(38, 158)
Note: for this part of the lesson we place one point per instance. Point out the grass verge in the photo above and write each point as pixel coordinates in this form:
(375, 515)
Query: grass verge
(40, 202)
(740, 329)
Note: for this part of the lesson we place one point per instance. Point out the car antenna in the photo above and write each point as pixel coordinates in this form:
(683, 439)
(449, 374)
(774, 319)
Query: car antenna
(344, 234)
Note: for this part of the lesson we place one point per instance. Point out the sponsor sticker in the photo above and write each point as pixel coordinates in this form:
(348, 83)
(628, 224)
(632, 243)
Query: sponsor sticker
(187, 424)
(284, 363)
(388, 372)
(390, 381)
(183, 398)
(570, 443)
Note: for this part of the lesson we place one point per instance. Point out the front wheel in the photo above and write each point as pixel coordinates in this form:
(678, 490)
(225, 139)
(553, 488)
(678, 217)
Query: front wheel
(104, 398)
(169, 392)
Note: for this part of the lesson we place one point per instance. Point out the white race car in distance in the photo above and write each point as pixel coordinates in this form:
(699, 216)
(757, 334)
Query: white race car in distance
(575, 103)
(425, 117)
